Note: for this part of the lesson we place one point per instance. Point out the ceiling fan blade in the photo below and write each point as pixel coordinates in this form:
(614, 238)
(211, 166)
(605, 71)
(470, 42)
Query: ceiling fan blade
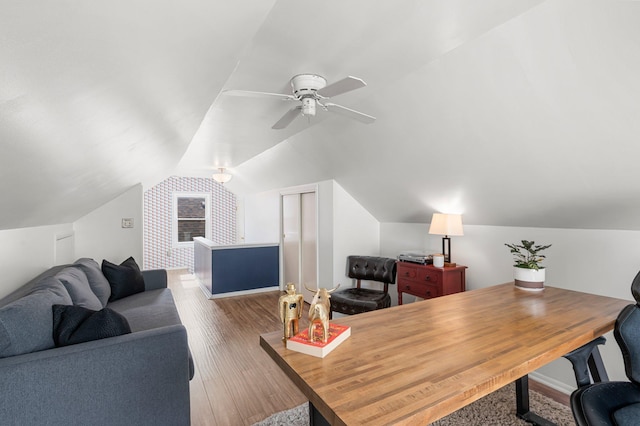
(342, 86)
(249, 93)
(288, 117)
(351, 113)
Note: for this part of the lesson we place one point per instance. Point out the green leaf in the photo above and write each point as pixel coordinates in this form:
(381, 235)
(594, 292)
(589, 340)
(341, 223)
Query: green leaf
(526, 254)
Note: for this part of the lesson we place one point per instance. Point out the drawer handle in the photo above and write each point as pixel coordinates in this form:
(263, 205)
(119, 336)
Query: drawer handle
(427, 278)
(406, 287)
(428, 292)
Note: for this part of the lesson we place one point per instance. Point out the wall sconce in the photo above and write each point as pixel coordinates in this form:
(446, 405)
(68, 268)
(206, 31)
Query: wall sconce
(446, 224)
(222, 177)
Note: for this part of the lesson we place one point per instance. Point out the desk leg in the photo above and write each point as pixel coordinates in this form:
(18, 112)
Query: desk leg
(596, 366)
(315, 418)
(522, 404)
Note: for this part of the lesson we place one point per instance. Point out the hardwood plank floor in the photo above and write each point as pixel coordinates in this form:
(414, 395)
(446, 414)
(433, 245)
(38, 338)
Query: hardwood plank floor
(236, 383)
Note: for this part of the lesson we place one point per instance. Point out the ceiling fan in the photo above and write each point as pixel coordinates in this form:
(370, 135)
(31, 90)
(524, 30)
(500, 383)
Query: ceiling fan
(311, 90)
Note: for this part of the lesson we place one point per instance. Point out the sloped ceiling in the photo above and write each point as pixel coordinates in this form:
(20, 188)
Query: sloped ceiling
(96, 97)
(521, 113)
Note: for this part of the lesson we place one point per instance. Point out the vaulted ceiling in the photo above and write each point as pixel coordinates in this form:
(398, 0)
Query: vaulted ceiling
(520, 113)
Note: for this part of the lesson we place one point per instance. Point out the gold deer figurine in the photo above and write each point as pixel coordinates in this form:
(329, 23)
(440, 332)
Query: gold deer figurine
(319, 311)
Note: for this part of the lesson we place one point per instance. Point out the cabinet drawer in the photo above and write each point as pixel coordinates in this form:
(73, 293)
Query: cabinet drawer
(406, 271)
(426, 291)
(429, 276)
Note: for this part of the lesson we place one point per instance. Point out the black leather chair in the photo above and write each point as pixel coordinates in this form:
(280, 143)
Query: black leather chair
(357, 299)
(615, 403)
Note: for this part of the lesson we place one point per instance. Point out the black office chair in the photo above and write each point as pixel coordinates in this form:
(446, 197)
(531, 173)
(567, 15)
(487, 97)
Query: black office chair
(356, 300)
(615, 403)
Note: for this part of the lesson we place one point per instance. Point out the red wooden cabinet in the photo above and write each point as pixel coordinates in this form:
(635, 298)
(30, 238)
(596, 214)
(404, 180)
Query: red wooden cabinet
(427, 281)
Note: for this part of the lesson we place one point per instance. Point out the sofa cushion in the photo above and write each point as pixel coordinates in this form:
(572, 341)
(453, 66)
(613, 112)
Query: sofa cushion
(37, 282)
(124, 279)
(147, 310)
(77, 284)
(97, 281)
(25, 323)
(75, 324)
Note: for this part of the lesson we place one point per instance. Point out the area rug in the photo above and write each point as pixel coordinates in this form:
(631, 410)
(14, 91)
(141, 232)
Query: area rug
(496, 409)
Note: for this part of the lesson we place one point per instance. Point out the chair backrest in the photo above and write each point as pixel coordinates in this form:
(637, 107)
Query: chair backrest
(627, 334)
(370, 268)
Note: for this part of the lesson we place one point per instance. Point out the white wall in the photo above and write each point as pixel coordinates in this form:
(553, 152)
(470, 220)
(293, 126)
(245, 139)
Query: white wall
(326, 243)
(592, 261)
(99, 234)
(355, 232)
(260, 217)
(344, 227)
(26, 252)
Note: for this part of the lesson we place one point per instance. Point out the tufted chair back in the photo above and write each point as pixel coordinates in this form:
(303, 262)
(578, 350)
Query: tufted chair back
(357, 300)
(369, 268)
(627, 334)
(615, 402)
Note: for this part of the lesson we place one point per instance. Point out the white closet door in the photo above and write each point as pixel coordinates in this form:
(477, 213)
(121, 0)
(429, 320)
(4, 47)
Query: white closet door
(300, 241)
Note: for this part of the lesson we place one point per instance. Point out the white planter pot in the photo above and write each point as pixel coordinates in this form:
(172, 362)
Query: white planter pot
(529, 279)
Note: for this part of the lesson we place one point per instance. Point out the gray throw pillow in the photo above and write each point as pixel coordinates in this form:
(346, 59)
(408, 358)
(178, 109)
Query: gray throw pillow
(77, 284)
(25, 324)
(97, 280)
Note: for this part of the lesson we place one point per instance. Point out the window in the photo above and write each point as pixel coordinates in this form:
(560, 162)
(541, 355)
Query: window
(191, 218)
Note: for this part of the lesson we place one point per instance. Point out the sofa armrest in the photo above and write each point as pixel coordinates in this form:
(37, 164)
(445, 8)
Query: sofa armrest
(154, 279)
(140, 378)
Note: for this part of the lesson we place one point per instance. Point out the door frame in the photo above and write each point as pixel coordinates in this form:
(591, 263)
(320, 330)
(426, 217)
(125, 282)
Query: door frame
(292, 191)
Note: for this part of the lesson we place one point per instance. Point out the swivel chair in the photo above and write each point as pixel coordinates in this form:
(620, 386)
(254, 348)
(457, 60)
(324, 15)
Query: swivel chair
(357, 299)
(615, 403)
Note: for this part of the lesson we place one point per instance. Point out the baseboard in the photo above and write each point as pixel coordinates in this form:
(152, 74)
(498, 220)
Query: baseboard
(550, 388)
(552, 383)
(237, 293)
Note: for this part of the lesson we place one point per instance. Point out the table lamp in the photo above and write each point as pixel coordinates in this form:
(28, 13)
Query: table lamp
(446, 224)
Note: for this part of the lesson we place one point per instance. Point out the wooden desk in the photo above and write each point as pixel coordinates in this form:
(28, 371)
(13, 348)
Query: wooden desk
(416, 363)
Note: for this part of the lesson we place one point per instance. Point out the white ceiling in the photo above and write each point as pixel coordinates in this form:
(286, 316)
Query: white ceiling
(522, 113)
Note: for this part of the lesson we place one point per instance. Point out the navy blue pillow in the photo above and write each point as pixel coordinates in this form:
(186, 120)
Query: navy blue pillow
(125, 279)
(74, 324)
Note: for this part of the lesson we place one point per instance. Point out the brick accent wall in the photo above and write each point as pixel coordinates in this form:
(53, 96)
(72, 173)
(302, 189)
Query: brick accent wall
(158, 220)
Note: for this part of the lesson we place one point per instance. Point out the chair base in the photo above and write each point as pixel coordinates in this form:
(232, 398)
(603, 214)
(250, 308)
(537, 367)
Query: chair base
(358, 300)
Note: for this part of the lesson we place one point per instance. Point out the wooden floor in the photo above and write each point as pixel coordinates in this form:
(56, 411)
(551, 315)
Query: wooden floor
(235, 382)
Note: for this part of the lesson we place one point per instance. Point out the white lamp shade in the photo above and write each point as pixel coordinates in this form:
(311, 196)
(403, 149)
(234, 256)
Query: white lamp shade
(446, 224)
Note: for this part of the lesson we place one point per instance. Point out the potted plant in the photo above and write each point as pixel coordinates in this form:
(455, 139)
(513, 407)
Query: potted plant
(527, 272)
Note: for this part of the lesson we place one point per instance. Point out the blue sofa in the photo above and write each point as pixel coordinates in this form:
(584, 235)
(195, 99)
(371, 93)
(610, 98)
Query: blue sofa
(137, 378)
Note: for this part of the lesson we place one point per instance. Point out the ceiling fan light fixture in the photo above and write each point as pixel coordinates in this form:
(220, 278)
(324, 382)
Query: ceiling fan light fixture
(222, 177)
(308, 107)
(311, 90)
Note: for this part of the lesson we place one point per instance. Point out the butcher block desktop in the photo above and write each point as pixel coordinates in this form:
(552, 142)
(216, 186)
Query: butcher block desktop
(416, 363)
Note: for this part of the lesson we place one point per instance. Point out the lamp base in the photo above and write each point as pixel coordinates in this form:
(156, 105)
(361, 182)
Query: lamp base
(446, 249)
